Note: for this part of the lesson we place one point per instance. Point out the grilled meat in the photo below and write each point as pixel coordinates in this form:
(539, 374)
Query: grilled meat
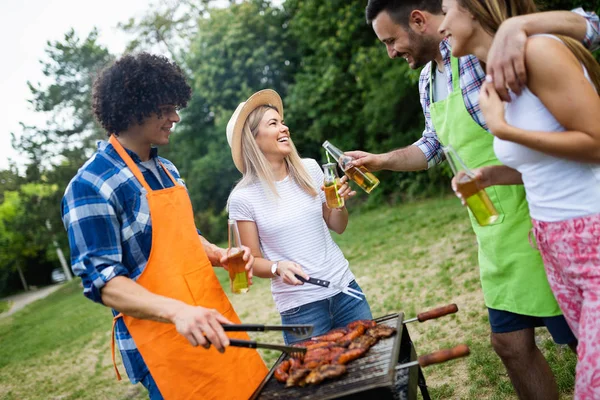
(296, 377)
(281, 372)
(381, 331)
(318, 345)
(325, 372)
(349, 355)
(350, 336)
(367, 323)
(331, 336)
(365, 341)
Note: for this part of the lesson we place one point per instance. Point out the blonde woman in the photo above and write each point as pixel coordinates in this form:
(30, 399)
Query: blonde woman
(283, 219)
(548, 137)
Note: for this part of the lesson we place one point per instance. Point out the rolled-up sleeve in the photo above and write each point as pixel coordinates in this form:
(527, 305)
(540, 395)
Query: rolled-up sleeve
(428, 143)
(94, 237)
(592, 35)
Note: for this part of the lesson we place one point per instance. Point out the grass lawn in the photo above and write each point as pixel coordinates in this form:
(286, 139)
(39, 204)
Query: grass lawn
(406, 258)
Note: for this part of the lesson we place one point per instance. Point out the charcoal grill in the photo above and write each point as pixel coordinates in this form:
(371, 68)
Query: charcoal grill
(371, 376)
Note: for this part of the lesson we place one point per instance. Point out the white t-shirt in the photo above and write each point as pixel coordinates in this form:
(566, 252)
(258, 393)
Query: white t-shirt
(291, 227)
(557, 189)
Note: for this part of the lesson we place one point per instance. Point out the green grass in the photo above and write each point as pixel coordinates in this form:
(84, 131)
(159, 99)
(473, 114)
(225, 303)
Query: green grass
(406, 258)
(4, 306)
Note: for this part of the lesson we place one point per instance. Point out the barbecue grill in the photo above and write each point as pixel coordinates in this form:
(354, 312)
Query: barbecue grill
(372, 376)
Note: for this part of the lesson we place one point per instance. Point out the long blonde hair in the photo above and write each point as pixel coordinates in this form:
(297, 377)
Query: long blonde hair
(491, 13)
(256, 166)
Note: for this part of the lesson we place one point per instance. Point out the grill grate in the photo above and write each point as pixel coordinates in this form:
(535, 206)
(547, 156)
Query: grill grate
(373, 373)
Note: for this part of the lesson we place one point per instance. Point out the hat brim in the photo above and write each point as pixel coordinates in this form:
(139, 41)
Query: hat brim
(260, 98)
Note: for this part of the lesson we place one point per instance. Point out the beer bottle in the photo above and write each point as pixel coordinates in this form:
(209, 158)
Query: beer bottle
(363, 178)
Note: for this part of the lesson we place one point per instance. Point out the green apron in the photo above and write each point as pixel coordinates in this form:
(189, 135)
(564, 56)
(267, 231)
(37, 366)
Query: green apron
(512, 273)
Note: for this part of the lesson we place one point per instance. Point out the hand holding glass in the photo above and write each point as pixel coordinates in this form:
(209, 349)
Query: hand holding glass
(238, 277)
(477, 199)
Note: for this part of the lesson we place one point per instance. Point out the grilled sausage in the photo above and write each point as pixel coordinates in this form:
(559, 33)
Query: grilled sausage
(367, 323)
(331, 336)
(281, 372)
(349, 355)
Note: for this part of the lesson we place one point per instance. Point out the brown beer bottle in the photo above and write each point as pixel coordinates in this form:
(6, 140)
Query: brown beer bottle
(363, 178)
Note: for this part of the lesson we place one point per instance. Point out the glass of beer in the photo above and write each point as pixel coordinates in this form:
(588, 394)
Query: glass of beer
(331, 183)
(360, 175)
(237, 266)
(477, 199)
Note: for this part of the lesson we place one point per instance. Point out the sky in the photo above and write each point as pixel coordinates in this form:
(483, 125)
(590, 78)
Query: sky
(26, 27)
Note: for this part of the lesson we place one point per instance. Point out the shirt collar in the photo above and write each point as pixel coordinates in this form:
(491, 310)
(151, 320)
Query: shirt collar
(445, 49)
(103, 145)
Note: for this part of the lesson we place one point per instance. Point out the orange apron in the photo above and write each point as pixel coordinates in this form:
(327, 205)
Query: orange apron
(179, 268)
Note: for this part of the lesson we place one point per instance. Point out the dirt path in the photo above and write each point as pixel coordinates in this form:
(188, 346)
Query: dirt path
(20, 300)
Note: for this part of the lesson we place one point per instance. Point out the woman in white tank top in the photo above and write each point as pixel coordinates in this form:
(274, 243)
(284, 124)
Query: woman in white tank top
(548, 137)
(283, 219)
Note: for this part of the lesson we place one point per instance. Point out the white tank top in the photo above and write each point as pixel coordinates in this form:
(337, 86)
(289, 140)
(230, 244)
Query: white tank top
(557, 189)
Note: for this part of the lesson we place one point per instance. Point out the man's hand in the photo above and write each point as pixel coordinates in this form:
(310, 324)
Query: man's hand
(506, 58)
(372, 162)
(248, 257)
(287, 269)
(197, 324)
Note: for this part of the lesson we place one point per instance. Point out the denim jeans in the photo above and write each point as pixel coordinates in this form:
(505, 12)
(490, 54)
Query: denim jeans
(153, 392)
(327, 314)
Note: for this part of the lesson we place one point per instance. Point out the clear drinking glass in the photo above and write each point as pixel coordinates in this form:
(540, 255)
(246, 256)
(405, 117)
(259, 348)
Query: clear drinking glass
(331, 182)
(360, 175)
(237, 271)
(477, 199)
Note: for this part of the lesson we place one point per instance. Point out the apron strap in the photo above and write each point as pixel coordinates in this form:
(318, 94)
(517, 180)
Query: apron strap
(134, 168)
(112, 345)
(455, 77)
(168, 173)
(455, 74)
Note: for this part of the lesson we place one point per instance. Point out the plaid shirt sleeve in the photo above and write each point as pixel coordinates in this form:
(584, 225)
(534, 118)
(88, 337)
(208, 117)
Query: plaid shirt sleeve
(94, 236)
(429, 143)
(592, 35)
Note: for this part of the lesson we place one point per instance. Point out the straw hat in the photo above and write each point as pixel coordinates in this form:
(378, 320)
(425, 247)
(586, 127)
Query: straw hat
(238, 119)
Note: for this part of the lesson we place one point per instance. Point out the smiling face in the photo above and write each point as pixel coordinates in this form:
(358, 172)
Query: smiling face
(154, 129)
(403, 42)
(273, 137)
(460, 27)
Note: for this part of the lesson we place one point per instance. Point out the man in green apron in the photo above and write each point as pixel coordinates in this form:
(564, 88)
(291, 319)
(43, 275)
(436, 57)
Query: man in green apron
(514, 283)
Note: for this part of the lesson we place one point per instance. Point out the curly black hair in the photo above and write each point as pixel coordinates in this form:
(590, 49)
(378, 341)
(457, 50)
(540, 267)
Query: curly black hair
(134, 87)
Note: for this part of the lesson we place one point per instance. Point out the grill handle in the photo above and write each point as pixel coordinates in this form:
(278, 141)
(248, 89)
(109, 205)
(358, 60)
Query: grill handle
(440, 356)
(433, 314)
(462, 350)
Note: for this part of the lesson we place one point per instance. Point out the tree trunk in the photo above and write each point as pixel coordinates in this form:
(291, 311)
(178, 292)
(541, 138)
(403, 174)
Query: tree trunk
(23, 279)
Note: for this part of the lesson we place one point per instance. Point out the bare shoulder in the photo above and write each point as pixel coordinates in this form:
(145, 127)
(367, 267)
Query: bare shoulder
(549, 63)
(545, 53)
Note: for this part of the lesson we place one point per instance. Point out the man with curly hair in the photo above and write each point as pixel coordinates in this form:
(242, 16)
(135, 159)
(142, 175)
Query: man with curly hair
(136, 248)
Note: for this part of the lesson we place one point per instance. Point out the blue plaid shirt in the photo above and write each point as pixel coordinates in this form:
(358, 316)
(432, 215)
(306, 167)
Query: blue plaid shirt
(472, 77)
(106, 214)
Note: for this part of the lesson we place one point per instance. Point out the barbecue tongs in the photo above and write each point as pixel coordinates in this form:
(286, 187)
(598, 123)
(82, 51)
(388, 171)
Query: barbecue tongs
(300, 331)
(321, 282)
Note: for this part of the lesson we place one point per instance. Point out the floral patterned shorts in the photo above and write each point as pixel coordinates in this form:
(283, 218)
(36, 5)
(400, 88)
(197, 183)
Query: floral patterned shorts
(571, 253)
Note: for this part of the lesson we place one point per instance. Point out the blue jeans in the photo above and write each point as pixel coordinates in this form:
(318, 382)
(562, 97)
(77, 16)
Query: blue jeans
(327, 314)
(153, 392)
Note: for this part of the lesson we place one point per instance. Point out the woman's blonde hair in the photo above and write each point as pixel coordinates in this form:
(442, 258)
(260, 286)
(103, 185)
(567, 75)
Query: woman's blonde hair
(256, 166)
(491, 13)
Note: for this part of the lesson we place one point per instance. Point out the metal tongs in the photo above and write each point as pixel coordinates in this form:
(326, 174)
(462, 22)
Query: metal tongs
(320, 282)
(300, 331)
